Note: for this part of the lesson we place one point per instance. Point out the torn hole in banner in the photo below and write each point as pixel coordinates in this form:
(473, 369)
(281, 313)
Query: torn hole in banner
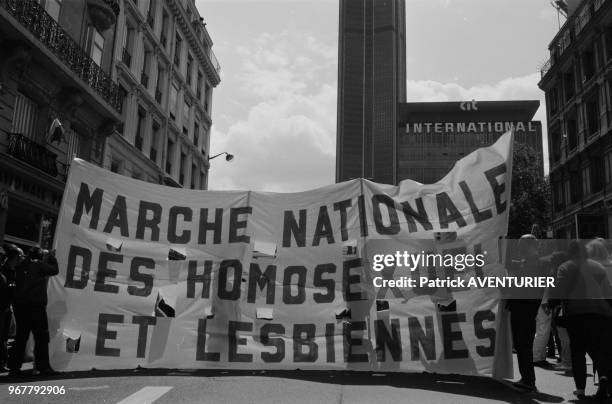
(113, 244)
(73, 340)
(264, 249)
(265, 313)
(344, 313)
(176, 256)
(208, 312)
(349, 248)
(382, 305)
(163, 307)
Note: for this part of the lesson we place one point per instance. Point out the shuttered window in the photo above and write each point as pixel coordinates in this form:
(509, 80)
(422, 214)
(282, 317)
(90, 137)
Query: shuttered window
(25, 116)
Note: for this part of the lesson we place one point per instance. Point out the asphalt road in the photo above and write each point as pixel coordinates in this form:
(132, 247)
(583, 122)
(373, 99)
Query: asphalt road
(172, 386)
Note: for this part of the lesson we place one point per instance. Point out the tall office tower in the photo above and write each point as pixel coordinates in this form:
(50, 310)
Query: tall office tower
(371, 83)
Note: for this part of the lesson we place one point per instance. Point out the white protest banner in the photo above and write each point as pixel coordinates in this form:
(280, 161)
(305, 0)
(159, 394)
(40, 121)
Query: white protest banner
(278, 281)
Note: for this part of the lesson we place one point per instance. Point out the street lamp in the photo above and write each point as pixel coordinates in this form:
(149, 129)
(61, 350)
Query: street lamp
(228, 157)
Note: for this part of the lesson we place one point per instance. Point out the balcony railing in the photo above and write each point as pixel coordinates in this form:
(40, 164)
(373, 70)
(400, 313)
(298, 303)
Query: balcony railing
(34, 154)
(34, 17)
(214, 61)
(545, 67)
(151, 21)
(158, 96)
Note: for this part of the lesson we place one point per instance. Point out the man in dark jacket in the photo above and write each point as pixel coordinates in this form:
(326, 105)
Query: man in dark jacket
(30, 307)
(14, 255)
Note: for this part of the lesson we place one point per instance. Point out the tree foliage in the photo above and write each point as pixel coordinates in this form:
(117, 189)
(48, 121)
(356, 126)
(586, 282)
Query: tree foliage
(531, 201)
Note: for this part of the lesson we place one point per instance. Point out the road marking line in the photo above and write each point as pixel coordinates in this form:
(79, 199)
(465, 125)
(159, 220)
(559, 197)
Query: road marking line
(146, 395)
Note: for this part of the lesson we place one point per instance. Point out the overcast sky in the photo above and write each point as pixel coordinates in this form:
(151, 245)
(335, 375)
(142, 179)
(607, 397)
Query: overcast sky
(275, 108)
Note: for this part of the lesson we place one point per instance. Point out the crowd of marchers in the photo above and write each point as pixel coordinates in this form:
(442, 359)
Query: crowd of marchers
(567, 322)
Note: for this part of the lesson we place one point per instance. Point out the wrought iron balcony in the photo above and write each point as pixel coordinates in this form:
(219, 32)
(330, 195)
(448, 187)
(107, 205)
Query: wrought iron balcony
(34, 17)
(32, 153)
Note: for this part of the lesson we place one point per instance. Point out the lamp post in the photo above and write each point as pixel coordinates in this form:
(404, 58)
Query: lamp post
(228, 157)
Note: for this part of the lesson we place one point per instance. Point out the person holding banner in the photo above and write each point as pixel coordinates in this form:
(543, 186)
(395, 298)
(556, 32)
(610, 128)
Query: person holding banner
(523, 311)
(31, 310)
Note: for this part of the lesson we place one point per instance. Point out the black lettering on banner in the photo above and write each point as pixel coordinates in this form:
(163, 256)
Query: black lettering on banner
(104, 333)
(389, 203)
(363, 219)
(193, 277)
(448, 212)
(449, 336)
(201, 354)
(298, 230)
(300, 341)
(91, 203)
(497, 188)
(278, 343)
(485, 333)
(118, 217)
(206, 226)
(143, 326)
(234, 292)
(151, 223)
(147, 279)
(342, 207)
(236, 225)
(354, 279)
(479, 216)
(330, 331)
(420, 215)
(384, 340)
(260, 280)
(323, 228)
(426, 339)
(105, 272)
(73, 254)
(234, 341)
(187, 214)
(328, 284)
(290, 271)
(349, 342)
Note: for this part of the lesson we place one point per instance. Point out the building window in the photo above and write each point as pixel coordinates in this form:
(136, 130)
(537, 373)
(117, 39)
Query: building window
(194, 176)
(173, 99)
(608, 167)
(572, 130)
(575, 187)
(569, 84)
(588, 64)
(151, 14)
(128, 45)
(183, 168)
(553, 100)
(25, 116)
(189, 68)
(161, 74)
(592, 114)
(124, 106)
(597, 174)
(96, 45)
(163, 38)
(169, 156)
(154, 141)
(196, 134)
(178, 43)
(558, 191)
(52, 7)
(199, 86)
(140, 129)
(208, 97)
(202, 180)
(586, 181)
(115, 166)
(555, 144)
(146, 68)
(186, 110)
